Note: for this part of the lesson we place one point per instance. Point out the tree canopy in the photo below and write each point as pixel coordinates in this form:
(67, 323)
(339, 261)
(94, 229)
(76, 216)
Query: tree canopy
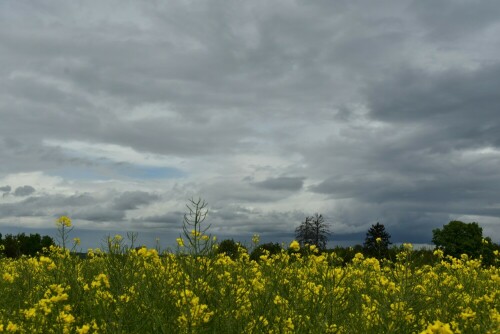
(457, 238)
(22, 244)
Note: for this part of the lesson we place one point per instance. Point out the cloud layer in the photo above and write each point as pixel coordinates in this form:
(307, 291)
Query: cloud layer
(116, 114)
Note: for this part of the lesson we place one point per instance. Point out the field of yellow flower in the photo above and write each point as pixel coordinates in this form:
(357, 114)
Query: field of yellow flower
(138, 290)
(128, 290)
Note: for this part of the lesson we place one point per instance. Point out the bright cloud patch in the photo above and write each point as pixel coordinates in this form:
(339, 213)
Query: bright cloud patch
(108, 161)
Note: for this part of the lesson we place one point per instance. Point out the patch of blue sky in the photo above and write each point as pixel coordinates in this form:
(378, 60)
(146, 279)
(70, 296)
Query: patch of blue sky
(110, 171)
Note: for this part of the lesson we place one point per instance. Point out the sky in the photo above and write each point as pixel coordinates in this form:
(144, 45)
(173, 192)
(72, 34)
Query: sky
(115, 113)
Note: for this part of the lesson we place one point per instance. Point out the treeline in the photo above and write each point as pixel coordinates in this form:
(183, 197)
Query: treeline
(21, 244)
(234, 249)
(454, 239)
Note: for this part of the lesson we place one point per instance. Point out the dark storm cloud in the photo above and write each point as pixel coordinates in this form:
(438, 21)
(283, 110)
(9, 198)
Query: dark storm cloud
(460, 108)
(29, 154)
(171, 219)
(86, 206)
(449, 19)
(281, 183)
(24, 191)
(5, 189)
(99, 214)
(46, 205)
(387, 110)
(131, 200)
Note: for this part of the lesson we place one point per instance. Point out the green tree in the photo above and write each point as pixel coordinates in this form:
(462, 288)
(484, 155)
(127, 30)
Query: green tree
(313, 231)
(230, 248)
(265, 249)
(457, 238)
(377, 241)
(22, 244)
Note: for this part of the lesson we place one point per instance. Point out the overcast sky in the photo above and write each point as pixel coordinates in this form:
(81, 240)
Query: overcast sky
(116, 112)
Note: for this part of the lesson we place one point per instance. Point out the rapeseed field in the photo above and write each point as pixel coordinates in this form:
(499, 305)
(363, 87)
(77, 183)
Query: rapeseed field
(139, 290)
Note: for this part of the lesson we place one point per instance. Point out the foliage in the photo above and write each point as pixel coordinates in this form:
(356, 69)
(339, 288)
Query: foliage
(267, 249)
(377, 241)
(457, 238)
(313, 231)
(230, 248)
(21, 244)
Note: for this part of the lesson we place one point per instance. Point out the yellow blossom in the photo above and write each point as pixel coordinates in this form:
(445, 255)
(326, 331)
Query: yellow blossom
(438, 328)
(408, 246)
(64, 221)
(8, 277)
(83, 330)
(11, 327)
(294, 245)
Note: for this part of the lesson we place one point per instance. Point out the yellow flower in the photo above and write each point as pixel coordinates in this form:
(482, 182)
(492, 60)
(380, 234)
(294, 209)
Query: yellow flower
(30, 313)
(66, 317)
(468, 314)
(294, 245)
(64, 221)
(408, 246)
(439, 253)
(378, 240)
(83, 330)
(12, 327)
(76, 241)
(8, 277)
(438, 328)
(180, 242)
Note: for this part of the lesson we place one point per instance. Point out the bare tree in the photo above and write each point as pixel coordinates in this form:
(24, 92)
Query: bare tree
(198, 240)
(313, 231)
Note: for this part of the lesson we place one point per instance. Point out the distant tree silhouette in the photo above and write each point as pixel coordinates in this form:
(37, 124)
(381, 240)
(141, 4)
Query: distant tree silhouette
(377, 241)
(268, 248)
(313, 231)
(230, 248)
(21, 244)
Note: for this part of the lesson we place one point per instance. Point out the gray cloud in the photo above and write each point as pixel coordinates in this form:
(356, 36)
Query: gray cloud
(131, 200)
(5, 189)
(171, 219)
(24, 191)
(99, 214)
(387, 110)
(442, 102)
(448, 19)
(281, 183)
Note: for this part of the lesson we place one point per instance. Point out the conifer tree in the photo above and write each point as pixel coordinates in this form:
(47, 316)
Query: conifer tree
(377, 241)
